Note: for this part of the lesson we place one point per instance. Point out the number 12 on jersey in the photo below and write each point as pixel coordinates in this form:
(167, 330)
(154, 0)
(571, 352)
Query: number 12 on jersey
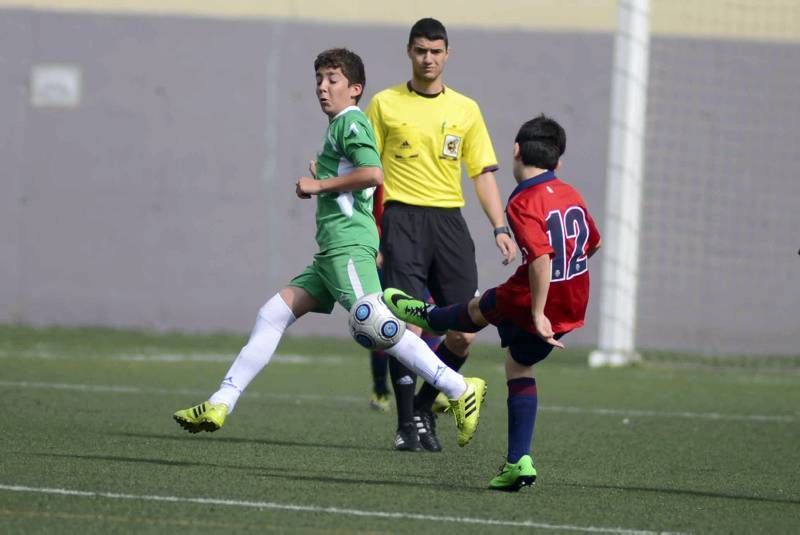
(569, 234)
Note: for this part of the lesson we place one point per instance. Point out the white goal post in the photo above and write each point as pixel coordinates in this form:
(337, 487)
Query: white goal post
(624, 187)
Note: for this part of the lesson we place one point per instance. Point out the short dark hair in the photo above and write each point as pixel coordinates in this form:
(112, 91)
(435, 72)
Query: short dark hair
(428, 28)
(348, 61)
(542, 141)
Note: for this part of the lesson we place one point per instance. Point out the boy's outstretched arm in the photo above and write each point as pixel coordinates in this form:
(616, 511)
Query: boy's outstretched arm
(539, 280)
(358, 179)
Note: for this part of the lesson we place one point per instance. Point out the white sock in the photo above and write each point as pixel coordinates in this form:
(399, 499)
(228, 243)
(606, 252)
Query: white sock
(273, 319)
(415, 354)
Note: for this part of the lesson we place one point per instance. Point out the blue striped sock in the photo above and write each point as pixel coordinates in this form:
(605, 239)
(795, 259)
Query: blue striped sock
(522, 405)
(453, 317)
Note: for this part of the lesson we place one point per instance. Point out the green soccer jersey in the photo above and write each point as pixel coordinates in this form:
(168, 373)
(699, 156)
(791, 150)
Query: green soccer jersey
(346, 218)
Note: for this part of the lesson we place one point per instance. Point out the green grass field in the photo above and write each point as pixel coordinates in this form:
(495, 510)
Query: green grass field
(89, 445)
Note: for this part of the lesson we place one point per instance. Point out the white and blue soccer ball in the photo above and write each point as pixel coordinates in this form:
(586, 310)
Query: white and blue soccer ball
(373, 325)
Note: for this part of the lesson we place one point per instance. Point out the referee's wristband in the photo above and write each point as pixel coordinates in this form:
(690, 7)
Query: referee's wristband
(502, 230)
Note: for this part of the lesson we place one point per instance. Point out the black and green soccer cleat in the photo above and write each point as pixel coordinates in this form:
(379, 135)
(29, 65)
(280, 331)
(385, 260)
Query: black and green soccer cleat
(206, 416)
(409, 309)
(440, 404)
(513, 477)
(380, 402)
(467, 409)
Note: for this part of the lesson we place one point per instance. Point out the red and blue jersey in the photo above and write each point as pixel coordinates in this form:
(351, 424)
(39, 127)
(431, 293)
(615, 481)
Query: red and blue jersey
(548, 216)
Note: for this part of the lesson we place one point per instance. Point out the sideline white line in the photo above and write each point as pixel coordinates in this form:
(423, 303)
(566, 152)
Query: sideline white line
(673, 414)
(173, 391)
(168, 357)
(628, 413)
(328, 510)
(283, 359)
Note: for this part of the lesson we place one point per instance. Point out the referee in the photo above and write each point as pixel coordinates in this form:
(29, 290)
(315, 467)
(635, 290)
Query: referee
(425, 132)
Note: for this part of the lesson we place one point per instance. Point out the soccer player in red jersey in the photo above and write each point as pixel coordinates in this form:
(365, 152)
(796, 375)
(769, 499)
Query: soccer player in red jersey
(542, 301)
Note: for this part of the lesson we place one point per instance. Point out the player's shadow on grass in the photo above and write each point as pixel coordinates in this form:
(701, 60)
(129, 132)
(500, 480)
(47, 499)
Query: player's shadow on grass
(683, 492)
(361, 481)
(274, 472)
(120, 458)
(183, 436)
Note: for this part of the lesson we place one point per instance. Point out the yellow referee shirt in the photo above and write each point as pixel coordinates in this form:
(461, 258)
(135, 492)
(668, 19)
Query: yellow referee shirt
(423, 141)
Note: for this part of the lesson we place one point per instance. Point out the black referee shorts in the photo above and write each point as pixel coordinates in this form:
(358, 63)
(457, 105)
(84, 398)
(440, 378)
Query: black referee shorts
(428, 247)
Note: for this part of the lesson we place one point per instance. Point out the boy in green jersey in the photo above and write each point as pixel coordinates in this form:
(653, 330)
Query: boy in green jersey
(343, 178)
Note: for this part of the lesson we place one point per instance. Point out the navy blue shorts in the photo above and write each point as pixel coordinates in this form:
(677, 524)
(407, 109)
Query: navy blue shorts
(525, 347)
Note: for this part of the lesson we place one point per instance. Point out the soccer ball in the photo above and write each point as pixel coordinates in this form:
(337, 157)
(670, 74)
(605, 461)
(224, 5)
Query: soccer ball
(373, 325)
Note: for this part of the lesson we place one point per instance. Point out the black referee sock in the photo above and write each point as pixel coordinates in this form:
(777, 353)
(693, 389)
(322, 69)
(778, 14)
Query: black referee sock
(427, 393)
(378, 365)
(404, 382)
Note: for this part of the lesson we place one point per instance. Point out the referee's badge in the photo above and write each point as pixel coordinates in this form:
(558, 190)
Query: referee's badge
(450, 147)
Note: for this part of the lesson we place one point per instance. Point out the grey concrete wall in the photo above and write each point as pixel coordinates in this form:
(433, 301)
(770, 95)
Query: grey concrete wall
(166, 199)
(720, 270)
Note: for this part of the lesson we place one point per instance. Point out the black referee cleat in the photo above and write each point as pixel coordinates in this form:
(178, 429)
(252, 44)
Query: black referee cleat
(406, 438)
(426, 430)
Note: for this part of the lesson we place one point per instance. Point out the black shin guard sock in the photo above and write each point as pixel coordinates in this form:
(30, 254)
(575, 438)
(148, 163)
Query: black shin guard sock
(427, 393)
(404, 382)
